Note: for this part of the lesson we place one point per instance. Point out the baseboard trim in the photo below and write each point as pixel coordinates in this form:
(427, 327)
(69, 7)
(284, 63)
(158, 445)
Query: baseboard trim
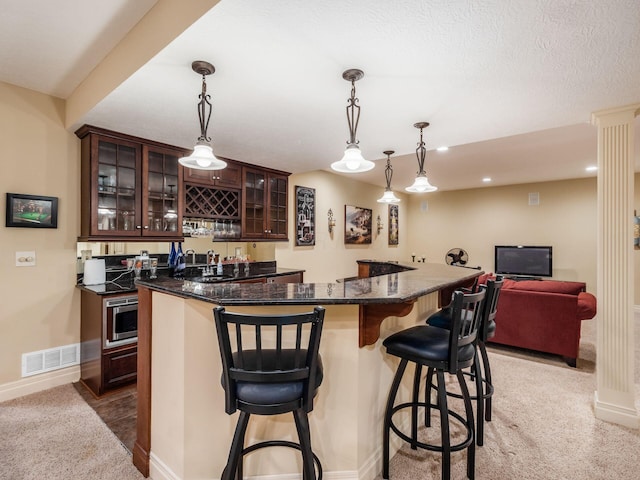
(158, 470)
(627, 417)
(37, 383)
(371, 467)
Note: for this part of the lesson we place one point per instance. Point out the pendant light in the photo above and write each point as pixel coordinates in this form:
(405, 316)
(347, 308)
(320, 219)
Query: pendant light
(421, 183)
(202, 157)
(352, 161)
(388, 196)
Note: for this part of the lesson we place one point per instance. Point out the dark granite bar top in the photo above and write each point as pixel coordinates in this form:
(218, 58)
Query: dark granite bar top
(384, 289)
(125, 282)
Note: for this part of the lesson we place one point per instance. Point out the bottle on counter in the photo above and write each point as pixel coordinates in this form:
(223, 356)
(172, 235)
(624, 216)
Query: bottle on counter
(219, 268)
(173, 256)
(180, 262)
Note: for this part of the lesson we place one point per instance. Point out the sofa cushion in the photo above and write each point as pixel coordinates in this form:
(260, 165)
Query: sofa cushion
(586, 306)
(550, 286)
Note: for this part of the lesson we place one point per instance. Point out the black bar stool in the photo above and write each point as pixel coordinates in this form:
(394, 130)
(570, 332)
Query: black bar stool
(440, 350)
(273, 368)
(480, 372)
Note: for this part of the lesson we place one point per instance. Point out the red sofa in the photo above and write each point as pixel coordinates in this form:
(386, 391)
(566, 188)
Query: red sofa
(543, 315)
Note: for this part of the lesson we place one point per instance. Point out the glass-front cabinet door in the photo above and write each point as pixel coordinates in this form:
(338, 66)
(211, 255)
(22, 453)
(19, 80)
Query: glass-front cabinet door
(163, 205)
(264, 194)
(253, 194)
(117, 198)
(277, 225)
(131, 188)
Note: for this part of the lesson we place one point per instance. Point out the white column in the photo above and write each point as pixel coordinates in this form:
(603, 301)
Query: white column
(615, 394)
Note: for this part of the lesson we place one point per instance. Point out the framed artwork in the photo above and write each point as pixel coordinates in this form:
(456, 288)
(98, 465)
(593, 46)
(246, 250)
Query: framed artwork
(357, 225)
(393, 224)
(305, 216)
(31, 211)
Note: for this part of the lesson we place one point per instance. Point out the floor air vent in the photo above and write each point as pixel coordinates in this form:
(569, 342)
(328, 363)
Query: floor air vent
(50, 359)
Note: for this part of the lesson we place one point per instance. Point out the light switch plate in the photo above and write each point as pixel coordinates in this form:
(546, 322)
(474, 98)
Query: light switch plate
(25, 259)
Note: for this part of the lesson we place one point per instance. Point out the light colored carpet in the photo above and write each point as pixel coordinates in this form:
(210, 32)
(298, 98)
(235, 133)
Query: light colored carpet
(55, 435)
(543, 426)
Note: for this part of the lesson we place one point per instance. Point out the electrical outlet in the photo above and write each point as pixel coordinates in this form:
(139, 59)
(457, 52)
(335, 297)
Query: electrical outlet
(25, 259)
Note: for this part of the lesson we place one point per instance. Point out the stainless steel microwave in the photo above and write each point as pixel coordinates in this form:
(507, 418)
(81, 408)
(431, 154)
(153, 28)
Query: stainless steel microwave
(121, 320)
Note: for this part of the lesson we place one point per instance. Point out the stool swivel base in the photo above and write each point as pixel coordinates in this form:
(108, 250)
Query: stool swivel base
(445, 447)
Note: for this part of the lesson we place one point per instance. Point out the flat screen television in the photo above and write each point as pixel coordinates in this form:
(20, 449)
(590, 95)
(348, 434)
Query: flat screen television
(523, 260)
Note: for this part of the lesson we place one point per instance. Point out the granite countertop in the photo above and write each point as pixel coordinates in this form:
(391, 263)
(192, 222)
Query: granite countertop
(126, 283)
(392, 288)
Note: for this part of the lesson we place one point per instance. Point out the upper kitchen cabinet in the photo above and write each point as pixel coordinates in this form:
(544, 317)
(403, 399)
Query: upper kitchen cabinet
(229, 177)
(131, 188)
(264, 194)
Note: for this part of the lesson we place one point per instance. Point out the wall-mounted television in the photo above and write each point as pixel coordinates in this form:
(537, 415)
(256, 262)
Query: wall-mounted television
(523, 260)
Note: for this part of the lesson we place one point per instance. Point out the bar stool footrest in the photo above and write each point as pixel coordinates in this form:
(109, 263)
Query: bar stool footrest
(427, 446)
(485, 396)
(284, 443)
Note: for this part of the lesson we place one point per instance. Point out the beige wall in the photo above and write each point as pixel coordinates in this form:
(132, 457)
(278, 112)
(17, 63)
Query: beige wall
(330, 258)
(40, 306)
(478, 219)
(431, 224)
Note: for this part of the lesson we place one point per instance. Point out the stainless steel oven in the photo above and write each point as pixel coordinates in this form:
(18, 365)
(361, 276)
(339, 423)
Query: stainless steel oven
(121, 320)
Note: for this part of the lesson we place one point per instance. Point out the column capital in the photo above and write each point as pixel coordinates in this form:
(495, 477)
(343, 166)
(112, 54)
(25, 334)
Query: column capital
(615, 116)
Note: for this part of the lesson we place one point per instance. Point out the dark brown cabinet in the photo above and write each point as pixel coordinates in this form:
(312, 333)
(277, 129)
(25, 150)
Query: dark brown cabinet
(264, 195)
(103, 368)
(131, 188)
(229, 177)
(291, 278)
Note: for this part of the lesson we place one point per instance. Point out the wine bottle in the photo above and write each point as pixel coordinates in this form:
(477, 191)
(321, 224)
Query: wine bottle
(171, 263)
(181, 261)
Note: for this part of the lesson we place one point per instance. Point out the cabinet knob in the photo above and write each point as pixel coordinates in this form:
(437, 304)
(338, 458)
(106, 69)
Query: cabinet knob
(146, 227)
(138, 227)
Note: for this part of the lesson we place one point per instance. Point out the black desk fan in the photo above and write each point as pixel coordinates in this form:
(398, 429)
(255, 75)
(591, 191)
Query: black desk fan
(457, 257)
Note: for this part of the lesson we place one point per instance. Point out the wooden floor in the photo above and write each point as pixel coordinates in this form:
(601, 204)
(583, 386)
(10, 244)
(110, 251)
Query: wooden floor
(117, 410)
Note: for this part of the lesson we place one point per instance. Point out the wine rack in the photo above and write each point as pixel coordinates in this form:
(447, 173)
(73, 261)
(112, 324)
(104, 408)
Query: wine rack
(206, 202)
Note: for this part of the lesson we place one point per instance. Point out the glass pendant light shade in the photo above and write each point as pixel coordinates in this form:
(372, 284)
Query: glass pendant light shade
(203, 158)
(389, 197)
(421, 185)
(352, 161)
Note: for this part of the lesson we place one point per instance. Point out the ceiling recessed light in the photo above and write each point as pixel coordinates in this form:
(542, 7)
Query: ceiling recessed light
(591, 168)
(442, 149)
(486, 179)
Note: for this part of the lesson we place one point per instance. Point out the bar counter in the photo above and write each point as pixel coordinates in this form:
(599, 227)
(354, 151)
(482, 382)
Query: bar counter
(183, 431)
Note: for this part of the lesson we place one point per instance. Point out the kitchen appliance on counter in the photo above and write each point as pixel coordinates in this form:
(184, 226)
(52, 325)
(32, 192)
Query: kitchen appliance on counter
(94, 271)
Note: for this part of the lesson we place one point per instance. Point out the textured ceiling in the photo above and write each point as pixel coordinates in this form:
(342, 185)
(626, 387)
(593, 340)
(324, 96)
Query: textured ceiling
(527, 72)
(51, 46)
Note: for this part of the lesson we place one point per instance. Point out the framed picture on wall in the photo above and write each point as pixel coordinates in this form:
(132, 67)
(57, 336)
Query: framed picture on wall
(357, 225)
(305, 216)
(393, 224)
(31, 211)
